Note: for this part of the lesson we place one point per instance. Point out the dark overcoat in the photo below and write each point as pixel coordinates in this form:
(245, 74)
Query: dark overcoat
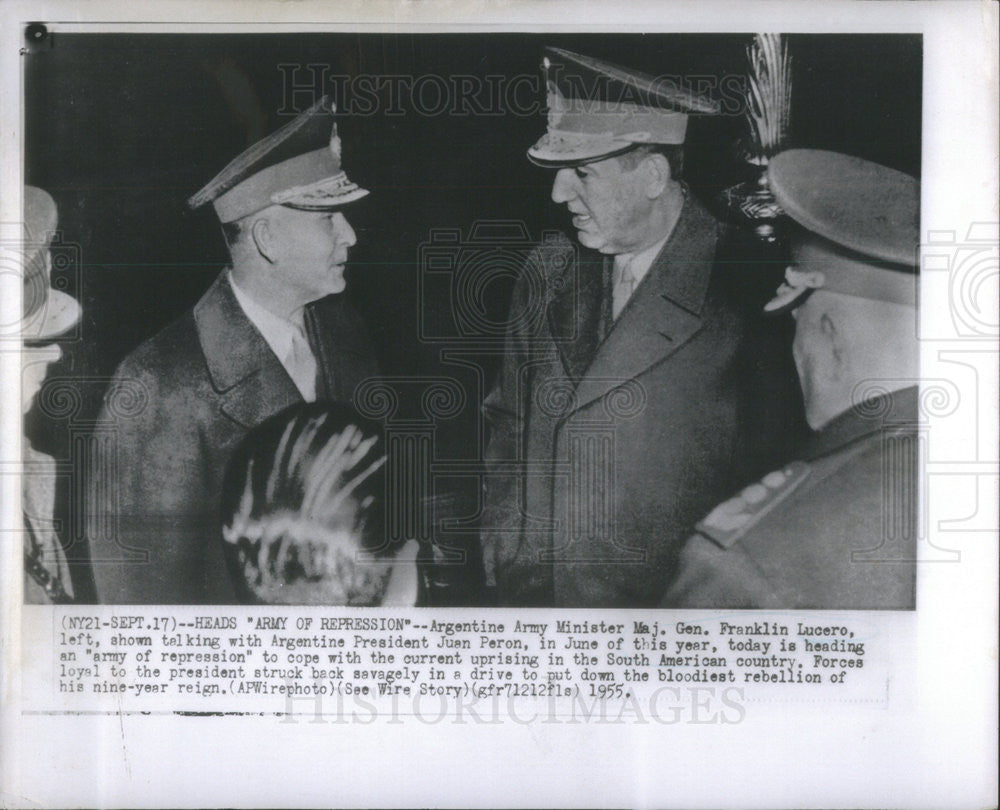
(178, 406)
(609, 441)
(835, 531)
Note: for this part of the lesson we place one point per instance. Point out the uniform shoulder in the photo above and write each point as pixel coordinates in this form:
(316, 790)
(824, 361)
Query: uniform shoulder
(732, 519)
(167, 356)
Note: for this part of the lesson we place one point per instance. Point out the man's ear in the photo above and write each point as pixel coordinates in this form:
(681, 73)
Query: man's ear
(657, 170)
(263, 238)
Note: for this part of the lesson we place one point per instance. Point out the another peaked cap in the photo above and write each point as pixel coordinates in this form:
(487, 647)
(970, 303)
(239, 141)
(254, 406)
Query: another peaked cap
(598, 109)
(48, 313)
(298, 166)
(865, 207)
(859, 233)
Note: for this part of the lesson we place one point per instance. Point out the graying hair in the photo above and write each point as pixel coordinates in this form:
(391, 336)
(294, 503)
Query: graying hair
(674, 153)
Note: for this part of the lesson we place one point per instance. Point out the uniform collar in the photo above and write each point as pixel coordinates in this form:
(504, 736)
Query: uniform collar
(892, 410)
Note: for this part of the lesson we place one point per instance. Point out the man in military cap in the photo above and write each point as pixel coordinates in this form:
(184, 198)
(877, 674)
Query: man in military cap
(615, 419)
(48, 315)
(270, 332)
(837, 530)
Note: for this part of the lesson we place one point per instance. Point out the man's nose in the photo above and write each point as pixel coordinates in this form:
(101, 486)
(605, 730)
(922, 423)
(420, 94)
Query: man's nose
(345, 233)
(563, 188)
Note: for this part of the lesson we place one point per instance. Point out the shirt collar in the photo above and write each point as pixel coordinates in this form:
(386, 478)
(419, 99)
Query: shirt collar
(277, 331)
(639, 263)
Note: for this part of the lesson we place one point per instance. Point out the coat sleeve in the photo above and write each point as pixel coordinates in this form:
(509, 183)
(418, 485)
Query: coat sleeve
(149, 507)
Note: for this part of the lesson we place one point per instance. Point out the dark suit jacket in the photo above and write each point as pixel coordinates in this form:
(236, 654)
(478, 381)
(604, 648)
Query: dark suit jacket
(837, 531)
(178, 406)
(604, 453)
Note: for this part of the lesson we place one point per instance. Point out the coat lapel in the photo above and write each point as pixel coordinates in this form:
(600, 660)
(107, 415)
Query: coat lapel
(576, 310)
(665, 311)
(250, 381)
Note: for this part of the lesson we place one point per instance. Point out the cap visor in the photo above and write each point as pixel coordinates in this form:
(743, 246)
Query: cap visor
(323, 195)
(327, 203)
(556, 160)
(60, 313)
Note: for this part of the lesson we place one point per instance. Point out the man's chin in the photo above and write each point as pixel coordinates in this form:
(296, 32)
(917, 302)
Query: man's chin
(590, 240)
(337, 281)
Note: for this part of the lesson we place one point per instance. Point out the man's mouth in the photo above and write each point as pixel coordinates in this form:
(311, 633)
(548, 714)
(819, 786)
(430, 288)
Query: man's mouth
(581, 220)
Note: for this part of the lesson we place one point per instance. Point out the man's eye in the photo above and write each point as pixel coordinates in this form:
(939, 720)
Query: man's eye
(581, 173)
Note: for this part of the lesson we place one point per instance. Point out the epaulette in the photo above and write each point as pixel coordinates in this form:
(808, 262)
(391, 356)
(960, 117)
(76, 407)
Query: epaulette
(731, 519)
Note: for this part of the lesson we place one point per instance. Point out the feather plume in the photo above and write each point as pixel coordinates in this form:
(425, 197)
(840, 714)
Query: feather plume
(769, 95)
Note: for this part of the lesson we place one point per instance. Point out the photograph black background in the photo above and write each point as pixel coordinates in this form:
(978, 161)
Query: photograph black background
(122, 129)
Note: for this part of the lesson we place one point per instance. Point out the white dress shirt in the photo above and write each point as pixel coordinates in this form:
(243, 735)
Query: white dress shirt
(630, 270)
(287, 339)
